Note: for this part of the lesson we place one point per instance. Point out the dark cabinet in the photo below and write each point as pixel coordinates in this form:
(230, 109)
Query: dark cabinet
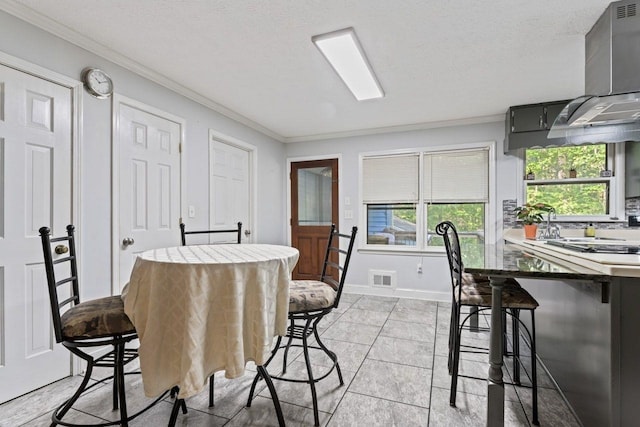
(528, 125)
(527, 119)
(552, 111)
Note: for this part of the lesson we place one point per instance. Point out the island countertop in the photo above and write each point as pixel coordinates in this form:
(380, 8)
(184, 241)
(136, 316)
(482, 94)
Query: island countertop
(619, 265)
(585, 323)
(515, 260)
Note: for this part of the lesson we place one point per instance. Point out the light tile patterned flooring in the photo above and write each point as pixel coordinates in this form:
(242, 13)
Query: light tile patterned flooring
(393, 355)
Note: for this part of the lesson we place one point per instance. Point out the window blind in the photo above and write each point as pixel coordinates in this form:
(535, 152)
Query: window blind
(461, 176)
(391, 179)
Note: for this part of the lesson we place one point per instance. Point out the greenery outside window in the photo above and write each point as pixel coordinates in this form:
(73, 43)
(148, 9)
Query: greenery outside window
(469, 219)
(576, 180)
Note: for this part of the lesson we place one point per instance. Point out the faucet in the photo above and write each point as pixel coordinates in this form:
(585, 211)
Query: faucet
(553, 230)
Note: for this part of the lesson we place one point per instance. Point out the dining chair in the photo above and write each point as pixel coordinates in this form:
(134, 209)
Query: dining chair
(475, 292)
(83, 327)
(238, 232)
(309, 302)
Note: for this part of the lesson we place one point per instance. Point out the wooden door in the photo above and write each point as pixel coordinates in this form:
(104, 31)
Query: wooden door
(35, 191)
(148, 181)
(314, 207)
(230, 169)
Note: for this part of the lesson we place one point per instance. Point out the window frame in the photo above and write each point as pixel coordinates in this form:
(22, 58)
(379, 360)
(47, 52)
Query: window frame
(421, 243)
(614, 162)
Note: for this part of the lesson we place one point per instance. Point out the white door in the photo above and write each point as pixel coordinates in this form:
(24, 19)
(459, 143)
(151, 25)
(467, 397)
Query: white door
(35, 191)
(230, 169)
(149, 189)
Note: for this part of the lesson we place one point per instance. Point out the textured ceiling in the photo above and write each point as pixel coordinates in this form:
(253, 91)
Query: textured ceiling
(436, 60)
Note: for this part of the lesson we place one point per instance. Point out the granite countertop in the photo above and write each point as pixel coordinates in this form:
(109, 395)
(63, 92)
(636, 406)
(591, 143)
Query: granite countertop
(513, 260)
(622, 265)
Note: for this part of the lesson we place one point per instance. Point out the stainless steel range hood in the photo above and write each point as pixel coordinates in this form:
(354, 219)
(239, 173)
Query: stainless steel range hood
(611, 113)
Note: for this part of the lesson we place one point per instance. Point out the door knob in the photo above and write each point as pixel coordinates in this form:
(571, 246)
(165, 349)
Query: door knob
(247, 233)
(127, 241)
(61, 249)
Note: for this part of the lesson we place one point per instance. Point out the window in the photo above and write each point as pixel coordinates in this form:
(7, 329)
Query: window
(390, 194)
(391, 224)
(571, 179)
(406, 195)
(469, 219)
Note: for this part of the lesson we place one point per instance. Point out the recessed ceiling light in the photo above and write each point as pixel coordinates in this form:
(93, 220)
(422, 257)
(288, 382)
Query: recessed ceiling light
(346, 56)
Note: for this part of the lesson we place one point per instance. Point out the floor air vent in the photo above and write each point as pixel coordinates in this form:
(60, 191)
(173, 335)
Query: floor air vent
(386, 279)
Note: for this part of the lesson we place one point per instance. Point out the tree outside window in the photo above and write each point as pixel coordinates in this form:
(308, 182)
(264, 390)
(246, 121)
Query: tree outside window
(568, 178)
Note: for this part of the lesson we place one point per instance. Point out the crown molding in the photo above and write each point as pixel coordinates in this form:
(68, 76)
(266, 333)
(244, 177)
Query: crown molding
(399, 128)
(47, 24)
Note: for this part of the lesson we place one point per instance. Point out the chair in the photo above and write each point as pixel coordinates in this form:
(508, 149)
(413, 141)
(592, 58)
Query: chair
(475, 292)
(87, 325)
(183, 234)
(309, 302)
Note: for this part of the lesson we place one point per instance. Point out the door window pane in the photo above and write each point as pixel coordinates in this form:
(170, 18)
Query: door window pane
(391, 224)
(314, 196)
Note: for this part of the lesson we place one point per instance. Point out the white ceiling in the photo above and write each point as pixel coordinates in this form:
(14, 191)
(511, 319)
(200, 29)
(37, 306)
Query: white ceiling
(437, 60)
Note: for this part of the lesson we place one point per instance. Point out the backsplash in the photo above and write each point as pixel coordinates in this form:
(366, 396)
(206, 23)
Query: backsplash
(509, 220)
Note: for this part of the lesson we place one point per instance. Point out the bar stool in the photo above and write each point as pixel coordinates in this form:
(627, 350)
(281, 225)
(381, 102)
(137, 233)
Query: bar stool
(183, 240)
(87, 325)
(475, 292)
(309, 302)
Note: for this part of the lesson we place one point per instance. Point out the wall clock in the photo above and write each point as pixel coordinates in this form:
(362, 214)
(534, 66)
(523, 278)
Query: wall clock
(97, 82)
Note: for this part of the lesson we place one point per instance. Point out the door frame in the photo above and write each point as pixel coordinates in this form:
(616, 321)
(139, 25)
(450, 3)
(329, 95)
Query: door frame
(252, 151)
(117, 102)
(77, 92)
(288, 184)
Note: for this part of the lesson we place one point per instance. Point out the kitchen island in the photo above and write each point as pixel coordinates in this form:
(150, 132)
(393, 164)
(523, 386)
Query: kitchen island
(586, 324)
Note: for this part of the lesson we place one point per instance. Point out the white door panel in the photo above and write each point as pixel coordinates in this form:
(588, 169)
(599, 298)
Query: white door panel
(148, 183)
(230, 187)
(35, 191)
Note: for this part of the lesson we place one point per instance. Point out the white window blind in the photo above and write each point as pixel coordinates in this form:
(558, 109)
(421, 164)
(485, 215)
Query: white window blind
(461, 176)
(390, 179)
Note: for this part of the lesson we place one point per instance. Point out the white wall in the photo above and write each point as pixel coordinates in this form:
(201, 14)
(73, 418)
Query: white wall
(31, 44)
(434, 282)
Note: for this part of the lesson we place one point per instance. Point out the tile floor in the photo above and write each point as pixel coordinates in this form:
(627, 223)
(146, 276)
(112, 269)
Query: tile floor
(393, 354)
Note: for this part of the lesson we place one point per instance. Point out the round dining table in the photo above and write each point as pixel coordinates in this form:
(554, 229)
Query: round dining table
(207, 308)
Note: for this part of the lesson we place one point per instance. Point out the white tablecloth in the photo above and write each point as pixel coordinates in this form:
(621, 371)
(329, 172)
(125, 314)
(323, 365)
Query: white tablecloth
(202, 309)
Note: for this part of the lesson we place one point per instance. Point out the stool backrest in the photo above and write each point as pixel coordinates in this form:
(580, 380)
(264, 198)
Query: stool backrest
(447, 230)
(336, 260)
(184, 233)
(63, 270)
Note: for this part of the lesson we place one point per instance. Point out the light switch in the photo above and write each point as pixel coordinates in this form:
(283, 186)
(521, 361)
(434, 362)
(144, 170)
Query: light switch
(347, 201)
(348, 214)
(192, 211)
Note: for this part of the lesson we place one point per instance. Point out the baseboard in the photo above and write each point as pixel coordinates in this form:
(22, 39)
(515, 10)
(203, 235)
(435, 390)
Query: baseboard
(397, 292)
